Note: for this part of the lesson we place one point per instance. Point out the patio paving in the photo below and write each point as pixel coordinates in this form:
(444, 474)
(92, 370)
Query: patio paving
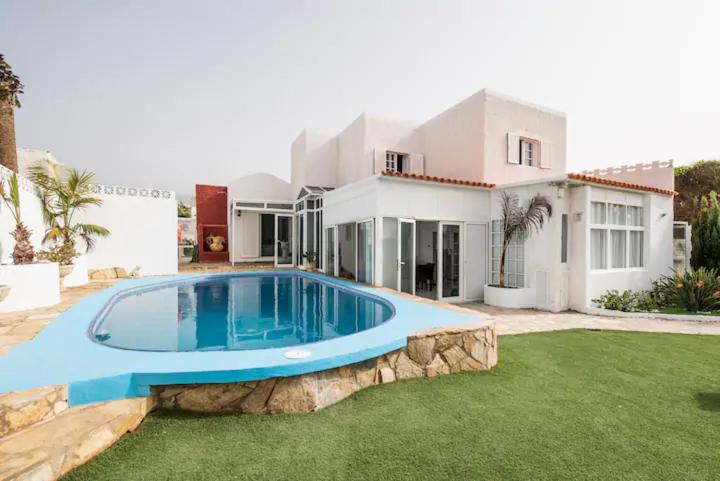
(21, 326)
(519, 321)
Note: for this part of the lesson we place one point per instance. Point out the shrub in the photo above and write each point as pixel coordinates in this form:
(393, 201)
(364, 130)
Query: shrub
(64, 254)
(696, 291)
(628, 301)
(706, 234)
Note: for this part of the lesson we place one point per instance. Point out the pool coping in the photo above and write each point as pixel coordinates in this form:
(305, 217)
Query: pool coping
(62, 353)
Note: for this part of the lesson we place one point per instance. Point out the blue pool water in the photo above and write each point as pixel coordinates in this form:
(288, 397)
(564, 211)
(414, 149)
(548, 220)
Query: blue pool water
(238, 313)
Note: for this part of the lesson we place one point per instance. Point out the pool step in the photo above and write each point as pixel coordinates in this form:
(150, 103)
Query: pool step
(20, 410)
(46, 450)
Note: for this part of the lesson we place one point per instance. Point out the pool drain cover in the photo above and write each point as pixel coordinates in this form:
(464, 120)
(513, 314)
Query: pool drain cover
(297, 354)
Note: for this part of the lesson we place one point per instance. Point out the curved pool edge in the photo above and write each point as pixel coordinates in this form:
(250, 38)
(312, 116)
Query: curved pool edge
(63, 354)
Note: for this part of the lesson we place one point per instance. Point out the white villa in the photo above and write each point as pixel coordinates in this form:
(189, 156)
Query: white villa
(415, 208)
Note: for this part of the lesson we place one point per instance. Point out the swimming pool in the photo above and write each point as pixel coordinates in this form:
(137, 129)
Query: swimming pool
(262, 311)
(68, 352)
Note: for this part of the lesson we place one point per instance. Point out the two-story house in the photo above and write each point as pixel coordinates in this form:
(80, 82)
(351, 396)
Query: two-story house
(416, 208)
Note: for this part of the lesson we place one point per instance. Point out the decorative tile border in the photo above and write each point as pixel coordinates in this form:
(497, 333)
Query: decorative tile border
(122, 190)
(23, 182)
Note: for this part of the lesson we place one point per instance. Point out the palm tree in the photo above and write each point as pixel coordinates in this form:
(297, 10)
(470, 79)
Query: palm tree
(10, 88)
(23, 253)
(520, 222)
(63, 193)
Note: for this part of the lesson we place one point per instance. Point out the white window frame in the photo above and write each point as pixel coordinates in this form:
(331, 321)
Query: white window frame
(527, 155)
(624, 226)
(495, 260)
(392, 160)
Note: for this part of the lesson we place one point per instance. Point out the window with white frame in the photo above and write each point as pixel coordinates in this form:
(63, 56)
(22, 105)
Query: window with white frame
(394, 162)
(616, 236)
(514, 258)
(527, 152)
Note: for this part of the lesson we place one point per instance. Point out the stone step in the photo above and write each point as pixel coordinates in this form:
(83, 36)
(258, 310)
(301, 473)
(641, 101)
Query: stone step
(23, 409)
(47, 450)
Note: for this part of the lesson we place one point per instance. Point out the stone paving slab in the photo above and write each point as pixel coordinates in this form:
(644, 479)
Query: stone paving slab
(46, 451)
(17, 327)
(519, 321)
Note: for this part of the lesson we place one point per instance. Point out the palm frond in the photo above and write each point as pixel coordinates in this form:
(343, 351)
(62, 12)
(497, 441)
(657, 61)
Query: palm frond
(88, 233)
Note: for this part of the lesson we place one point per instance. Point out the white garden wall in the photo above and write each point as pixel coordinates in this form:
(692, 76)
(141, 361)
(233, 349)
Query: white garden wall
(143, 230)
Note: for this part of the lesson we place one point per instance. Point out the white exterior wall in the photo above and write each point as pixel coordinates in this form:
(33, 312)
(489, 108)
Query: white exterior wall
(586, 283)
(143, 230)
(545, 274)
(503, 115)
(579, 245)
(313, 161)
(453, 141)
(260, 187)
(378, 197)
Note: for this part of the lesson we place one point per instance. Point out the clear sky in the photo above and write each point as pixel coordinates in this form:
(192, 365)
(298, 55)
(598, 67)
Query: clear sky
(173, 93)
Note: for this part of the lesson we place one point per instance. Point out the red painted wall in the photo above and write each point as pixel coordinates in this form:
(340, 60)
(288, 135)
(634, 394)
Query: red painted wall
(212, 207)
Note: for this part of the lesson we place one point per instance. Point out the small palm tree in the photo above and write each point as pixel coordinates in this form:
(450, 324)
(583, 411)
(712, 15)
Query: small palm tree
(520, 222)
(63, 193)
(23, 253)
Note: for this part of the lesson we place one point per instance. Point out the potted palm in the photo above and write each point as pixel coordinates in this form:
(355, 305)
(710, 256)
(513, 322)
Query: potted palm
(64, 193)
(518, 223)
(23, 252)
(27, 284)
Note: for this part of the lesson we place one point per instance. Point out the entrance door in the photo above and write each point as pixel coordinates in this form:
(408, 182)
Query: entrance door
(475, 260)
(406, 255)
(283, 240)
(450, 262)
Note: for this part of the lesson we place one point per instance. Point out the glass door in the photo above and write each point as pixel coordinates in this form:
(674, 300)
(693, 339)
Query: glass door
(406, 256)
(283, 240)
(450, 262)
(330, 265)
(365, 257)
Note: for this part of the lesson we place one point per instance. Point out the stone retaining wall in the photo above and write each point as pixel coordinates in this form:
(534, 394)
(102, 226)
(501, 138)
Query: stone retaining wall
(429, 353)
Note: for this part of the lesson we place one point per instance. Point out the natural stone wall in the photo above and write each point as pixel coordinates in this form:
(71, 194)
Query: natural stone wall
(47, 450)
(108, 273)
(19, 410)
(428, 353)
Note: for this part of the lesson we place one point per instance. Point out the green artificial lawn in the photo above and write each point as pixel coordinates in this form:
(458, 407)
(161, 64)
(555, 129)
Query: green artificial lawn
(572, 405)
(681, 310)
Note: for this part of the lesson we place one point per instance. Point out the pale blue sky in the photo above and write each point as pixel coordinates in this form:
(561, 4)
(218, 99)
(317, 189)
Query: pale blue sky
(173, 93)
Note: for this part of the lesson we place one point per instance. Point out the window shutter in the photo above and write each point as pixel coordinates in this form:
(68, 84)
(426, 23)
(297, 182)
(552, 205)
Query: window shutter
(513, 148)
(379, 161)
(545, 155)
(417, 164)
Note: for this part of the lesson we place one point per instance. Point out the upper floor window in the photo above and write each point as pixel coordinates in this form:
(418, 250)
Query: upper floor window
(395, 162)
(528, 151)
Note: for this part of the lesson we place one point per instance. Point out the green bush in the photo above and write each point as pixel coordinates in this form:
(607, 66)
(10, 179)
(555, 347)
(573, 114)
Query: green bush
(628, 301)
(695, 291)
(706, 234)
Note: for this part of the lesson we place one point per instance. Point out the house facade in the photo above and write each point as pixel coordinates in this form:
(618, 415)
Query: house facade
(416, 208)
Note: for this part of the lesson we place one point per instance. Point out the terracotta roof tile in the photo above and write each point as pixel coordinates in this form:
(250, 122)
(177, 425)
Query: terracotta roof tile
(619, 183)
(441, 180)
